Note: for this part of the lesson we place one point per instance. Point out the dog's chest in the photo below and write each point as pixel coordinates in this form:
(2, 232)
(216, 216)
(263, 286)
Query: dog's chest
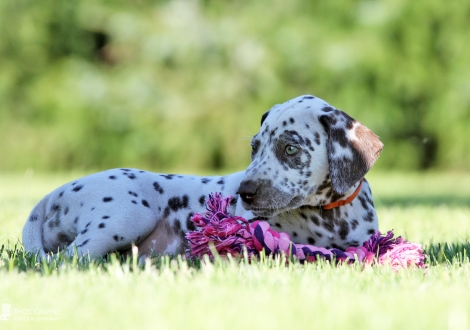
(336, 228)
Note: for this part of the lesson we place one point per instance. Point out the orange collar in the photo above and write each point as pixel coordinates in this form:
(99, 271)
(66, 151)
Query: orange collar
(342, 202)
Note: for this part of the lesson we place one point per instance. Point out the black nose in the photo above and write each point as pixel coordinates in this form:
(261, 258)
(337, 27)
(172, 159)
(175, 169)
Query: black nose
(247, 191)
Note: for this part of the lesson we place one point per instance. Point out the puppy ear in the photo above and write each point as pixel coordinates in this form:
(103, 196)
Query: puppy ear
(352, 148)
(264, 117)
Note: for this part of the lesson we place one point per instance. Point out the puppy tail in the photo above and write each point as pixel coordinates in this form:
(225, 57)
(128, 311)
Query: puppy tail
(32, 230)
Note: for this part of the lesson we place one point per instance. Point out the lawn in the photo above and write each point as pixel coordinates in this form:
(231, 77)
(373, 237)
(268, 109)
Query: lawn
(432, 209)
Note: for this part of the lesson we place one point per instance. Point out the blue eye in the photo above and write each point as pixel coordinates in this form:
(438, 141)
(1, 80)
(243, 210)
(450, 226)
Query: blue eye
(291, 150)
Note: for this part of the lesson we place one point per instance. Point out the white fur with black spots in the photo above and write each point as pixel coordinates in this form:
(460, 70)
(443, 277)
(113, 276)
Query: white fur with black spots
(306, 154)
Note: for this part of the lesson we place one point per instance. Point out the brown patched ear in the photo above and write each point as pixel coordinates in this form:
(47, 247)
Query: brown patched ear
(352, 148)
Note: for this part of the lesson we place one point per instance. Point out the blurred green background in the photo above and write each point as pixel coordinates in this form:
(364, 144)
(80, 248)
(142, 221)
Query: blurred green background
(181, 85)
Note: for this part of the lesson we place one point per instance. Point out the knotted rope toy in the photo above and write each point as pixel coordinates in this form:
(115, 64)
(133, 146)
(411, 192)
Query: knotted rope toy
(233, 234)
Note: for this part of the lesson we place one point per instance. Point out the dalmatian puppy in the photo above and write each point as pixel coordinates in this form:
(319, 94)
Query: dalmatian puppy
(306, 178)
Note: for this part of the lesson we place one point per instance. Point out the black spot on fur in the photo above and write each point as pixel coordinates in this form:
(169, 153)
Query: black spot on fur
(61, 194)
(105, 217)
(75, 220)
(107, 199)
(168, 176)
(369, 200)
(66, 210)
(328, 226)
(84, 243)
(325, 184)
(363, 202)
(166, 212)
(63, 239)
(132, 193)
(189, 224)
(157, 187)
(278, 225)
(34, 217)
(343, 229)
(294, 234)
(221, 181)
(265, 131)
(101, 225)
(354, 224)
(202, 200)
(205, 180)
(317, 138)
(145, 203)
(83, 231)
(311, 240)
(112, 177)
(308, 143)
(371, 231)
(177, 226)
(177, 203)
(319, 235)
(131, 176)
(77, 188)
(55, 207)
(315, 220)
(88, 224)
(125, 169)
(116, 238)
(291, 120)
(369, 217)
(273, 132)
(133, 202)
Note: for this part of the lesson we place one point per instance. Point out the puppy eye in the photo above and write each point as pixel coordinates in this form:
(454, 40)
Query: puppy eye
(291, 150)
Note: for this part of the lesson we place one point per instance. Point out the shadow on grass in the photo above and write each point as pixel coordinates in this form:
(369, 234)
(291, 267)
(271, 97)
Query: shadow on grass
(430, 201)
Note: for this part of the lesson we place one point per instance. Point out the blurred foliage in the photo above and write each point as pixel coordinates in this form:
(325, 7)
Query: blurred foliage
(182, 84)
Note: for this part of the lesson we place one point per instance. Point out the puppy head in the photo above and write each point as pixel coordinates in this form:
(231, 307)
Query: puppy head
(304, 146)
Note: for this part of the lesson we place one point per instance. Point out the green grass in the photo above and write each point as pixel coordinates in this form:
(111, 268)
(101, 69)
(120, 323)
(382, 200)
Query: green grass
(431, 209)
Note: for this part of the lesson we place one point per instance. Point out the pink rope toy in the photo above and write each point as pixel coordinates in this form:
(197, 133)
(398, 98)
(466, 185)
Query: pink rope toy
(232, 234)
